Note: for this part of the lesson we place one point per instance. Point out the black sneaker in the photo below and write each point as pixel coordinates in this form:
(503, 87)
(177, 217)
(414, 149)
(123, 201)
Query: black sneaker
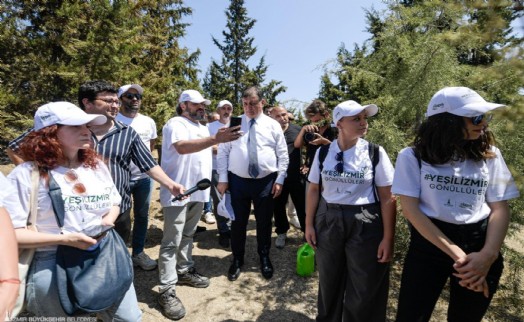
(223, 239)
(171, 305)
(193, 278)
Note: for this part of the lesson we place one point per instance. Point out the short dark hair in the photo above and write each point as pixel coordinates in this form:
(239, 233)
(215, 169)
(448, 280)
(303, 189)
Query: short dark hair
(317, 106)
(441, 139)
(253, 91)
(90, 90)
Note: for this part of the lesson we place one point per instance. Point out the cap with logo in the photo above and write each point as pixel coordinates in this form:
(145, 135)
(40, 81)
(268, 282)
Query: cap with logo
(352, 108)
(64, 113)
(461, 101)
(224, 102)
(190, 95)
(125, 88)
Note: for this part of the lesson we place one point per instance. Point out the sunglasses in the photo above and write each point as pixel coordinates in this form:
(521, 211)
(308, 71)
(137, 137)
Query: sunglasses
(340, 165)
(130, 96)
(72, 177)
(476, 120)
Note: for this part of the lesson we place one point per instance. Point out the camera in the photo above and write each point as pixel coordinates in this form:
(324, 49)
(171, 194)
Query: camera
(309, 136)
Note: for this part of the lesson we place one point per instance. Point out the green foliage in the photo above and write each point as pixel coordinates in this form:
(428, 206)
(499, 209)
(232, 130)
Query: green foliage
(48, 48)
(229, 78)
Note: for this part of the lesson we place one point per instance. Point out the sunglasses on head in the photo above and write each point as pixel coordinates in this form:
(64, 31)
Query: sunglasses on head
(130, 96)
(339, 167)
(476, 120)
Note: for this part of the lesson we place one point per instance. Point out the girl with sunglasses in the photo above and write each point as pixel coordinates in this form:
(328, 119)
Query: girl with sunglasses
(60, 146)
(350, 220)
(453, 186)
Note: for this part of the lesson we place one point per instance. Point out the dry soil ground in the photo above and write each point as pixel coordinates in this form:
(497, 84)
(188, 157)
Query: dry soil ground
(286, 297)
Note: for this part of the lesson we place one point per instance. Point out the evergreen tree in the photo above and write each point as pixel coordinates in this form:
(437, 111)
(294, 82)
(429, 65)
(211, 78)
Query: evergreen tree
(228, 79)
(49, 48)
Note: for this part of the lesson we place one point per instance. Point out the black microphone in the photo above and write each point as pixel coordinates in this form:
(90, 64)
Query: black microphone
(201, 185)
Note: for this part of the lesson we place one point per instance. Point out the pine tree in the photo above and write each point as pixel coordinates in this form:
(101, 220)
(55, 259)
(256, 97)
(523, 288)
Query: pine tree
(227, 79)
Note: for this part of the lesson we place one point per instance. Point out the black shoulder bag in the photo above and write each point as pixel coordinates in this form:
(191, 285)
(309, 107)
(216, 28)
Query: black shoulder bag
(90, 280)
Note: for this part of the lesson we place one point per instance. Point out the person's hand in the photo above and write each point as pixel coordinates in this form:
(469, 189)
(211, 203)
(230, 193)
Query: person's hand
(385, 250)
(319, 140)
(107, 221)
(277, 189)
(228, 134)
(178, 189)
(78, 240)
(310, 128)
(222, 187)
(311, 236)
(472, 270)
(304, 169)
(8, 296)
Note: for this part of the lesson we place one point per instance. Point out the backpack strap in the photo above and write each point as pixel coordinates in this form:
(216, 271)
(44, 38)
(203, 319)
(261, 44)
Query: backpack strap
(55, 193)
(373, 150)
(322, 153)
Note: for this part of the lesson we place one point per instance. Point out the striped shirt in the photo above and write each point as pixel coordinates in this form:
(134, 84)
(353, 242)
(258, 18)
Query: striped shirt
(119, 147)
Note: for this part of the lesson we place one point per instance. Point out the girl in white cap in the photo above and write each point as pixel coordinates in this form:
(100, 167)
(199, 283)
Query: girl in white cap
(350, 220)
(60, 146)
(453, 186)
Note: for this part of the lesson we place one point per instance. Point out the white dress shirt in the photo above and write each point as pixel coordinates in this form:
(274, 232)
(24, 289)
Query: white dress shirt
(271, 151)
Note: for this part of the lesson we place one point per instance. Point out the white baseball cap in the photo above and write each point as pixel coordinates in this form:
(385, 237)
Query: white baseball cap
(461, 101)
(64, 113)
(352, 108)
(190, 95)
(125, 88)
(224, 102)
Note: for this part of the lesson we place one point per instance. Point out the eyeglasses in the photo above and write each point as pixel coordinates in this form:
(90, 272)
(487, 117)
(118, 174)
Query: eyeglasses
(340, 165)
(108, 101)
(130, 96)
(72, 177)
(476, 120)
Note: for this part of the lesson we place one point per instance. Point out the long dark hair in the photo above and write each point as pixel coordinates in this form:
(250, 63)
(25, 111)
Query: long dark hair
(441, 139)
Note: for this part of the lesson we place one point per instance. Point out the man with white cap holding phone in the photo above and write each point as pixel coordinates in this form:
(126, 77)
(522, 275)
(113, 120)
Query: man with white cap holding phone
(186, 158)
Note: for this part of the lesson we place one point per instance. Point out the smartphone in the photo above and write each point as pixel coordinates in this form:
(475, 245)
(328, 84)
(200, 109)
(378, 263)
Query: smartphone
(235, 121)
(97, 232)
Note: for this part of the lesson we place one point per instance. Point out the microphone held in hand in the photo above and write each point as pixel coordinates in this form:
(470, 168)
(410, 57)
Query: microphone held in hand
(201, 185)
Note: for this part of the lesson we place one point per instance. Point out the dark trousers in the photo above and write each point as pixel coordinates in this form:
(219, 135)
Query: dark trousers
(353, 286)
(427, 269)
(123, 225)
(295, 188)
(243, 193)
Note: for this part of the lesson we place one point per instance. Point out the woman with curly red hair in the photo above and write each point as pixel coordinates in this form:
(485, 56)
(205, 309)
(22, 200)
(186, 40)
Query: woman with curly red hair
(61, 146)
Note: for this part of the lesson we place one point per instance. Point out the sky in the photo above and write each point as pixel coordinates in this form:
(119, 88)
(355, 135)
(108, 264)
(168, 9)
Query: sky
(299, 38)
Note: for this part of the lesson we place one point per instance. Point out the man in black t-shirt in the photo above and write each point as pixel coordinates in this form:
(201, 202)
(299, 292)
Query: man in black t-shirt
(293, 184)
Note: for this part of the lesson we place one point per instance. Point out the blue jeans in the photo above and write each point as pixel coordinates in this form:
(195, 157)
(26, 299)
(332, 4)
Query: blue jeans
(207, 206)
(42, 293)
(141, 191)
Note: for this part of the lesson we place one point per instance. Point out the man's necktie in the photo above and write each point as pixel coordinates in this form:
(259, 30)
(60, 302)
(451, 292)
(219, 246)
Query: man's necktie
(252, 150)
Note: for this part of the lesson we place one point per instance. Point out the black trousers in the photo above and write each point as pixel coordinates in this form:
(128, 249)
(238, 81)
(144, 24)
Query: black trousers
(244, 192)
(295, 188)
(427, 269)
(123, 225)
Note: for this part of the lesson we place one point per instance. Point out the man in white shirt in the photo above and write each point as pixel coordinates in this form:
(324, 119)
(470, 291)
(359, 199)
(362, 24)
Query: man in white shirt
(224, 111)
(253, 168)
(187, 156)
(131, 99)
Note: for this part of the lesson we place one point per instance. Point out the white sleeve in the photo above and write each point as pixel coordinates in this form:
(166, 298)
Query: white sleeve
(224, 149)
(501, 184)
(314, 171)
(406, 180)
(17, 203)
(384, 171)
(154, 134)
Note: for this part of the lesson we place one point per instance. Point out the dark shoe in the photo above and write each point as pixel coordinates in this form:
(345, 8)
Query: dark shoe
(171, 305)
(200, 229)
(193, 278)
(234, 269)
(265, 267)
(223, 239)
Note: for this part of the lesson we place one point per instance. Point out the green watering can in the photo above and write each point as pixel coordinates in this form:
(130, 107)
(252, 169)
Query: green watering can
(305, 260)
